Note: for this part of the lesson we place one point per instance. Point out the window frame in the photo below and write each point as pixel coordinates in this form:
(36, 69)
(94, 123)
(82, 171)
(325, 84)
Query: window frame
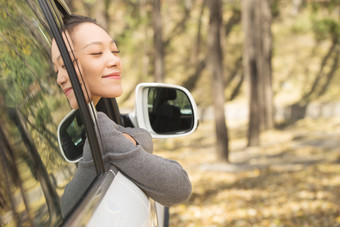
(50, 10)
(85, 207)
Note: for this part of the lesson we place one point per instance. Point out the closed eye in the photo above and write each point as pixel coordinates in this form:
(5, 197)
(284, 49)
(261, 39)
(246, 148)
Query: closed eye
(96, 53)
(57, 71)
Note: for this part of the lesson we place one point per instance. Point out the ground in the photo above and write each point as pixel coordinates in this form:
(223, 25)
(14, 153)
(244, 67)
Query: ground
(292, 179)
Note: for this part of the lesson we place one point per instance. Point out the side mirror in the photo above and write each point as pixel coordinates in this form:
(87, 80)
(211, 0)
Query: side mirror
(71, 137)
(165, 110)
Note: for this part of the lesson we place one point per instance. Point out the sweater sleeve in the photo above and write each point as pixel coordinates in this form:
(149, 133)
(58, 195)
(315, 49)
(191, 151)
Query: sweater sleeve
(162, 179)
(142, 137)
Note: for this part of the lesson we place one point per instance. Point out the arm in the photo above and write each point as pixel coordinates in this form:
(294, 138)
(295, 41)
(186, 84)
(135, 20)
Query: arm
(138, 136)
(163, 180)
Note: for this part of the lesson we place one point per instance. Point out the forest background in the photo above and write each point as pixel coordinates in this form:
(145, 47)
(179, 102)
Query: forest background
(274, 159)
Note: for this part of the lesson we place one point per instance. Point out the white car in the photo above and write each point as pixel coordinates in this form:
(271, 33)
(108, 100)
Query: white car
(120, 199)
(41, 138)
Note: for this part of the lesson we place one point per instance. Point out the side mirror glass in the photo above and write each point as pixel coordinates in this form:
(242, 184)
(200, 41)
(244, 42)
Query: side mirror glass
(165, 110)
(71, 137)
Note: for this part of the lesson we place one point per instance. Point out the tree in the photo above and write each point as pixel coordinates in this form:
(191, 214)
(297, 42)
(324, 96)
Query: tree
(158, 42)
(200, 63)
(10, 176)
(326, 29)
(101, 13)
(24, 70)
(215, 64)
(257, 54)
(48, 188)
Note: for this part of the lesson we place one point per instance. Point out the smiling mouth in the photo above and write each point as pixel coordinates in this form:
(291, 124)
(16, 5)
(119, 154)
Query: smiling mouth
(67, 91)
(115, 75)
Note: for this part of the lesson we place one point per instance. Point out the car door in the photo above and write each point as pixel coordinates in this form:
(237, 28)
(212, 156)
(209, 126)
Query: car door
(33, 174)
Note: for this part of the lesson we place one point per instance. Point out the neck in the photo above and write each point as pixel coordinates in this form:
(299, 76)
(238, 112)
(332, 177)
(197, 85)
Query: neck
(96, 100)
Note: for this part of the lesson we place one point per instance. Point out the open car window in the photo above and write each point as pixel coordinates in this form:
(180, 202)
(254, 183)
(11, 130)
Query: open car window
(33, 174)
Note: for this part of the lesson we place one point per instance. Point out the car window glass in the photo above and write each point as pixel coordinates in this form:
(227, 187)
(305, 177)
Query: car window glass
(33, 173)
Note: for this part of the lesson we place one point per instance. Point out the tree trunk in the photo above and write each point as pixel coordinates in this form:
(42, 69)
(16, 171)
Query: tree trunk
(197, 47)
(296, 7)
(257, 51)
(9, 165)
(158, 42)
(250, 70)
(51, 196)
(101, 14)
(265, 58)
(215, 63)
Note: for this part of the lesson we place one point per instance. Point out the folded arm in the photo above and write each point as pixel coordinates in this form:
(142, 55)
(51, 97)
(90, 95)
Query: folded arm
(162, 179)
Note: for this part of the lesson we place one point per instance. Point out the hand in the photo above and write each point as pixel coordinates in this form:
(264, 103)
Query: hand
(130, 138)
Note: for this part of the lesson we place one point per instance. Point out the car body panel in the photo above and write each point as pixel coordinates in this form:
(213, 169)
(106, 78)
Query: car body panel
(123, 205)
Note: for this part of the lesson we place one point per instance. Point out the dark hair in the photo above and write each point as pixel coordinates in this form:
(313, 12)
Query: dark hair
(72, 20)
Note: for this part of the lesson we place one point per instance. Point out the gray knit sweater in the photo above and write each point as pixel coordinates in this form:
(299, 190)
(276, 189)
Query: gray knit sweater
(162, 179)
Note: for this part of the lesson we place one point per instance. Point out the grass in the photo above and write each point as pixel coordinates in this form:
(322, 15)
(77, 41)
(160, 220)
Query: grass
(292, 179)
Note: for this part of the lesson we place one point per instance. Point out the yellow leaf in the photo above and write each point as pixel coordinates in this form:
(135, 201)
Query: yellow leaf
(338, 219)
(27, 51)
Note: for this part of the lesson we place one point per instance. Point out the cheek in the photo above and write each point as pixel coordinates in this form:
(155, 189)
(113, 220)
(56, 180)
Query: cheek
(89, 71)
(91, 66)
(72, 97)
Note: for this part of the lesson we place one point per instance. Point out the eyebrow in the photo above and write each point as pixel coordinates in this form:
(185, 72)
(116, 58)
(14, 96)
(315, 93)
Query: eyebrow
(96, 43)
(59, 56)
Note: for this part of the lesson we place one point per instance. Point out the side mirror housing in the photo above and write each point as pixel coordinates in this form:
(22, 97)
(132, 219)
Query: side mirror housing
(165, 110)
(71, 137)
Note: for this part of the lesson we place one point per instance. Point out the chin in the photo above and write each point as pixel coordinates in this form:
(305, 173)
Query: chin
(74, 105)
(120, 93)
(115, 93)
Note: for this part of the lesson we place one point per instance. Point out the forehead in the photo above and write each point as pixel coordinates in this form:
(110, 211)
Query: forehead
(87, 33)
(55, 53)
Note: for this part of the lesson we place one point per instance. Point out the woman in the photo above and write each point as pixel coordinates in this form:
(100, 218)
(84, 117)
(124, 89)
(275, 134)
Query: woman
(128, 149)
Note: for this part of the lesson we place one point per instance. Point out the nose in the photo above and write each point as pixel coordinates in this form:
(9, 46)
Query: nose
(113, 60)
(62, 77)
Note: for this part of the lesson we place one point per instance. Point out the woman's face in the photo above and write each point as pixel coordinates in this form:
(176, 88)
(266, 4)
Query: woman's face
(98, 60)
(63, 79)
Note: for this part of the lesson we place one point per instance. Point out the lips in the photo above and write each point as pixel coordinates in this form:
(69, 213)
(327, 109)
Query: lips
(67, 90)
(115, 75)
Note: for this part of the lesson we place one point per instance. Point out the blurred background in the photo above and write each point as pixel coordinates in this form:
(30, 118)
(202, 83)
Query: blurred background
(265, 75)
